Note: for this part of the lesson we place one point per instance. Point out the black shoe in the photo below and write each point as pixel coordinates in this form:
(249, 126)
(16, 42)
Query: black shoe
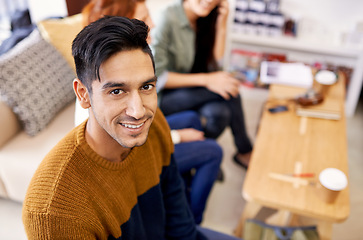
(220, 176)
(241, 164)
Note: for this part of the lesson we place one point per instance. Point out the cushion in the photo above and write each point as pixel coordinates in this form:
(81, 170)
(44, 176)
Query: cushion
(35, 82)
(60, 33)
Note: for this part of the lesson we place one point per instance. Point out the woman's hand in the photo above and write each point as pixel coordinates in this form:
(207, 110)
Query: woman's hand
(223, 84)
(190, 135)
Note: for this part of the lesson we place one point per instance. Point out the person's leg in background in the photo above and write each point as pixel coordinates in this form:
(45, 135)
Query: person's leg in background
(180, 120)
(238, 127)
(203, 156)
(183, 99)
(220, 115)
(217, 117)
(213, 108)
(184, 119)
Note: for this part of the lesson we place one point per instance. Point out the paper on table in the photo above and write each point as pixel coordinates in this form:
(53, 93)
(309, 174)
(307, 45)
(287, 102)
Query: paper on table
(293, 74)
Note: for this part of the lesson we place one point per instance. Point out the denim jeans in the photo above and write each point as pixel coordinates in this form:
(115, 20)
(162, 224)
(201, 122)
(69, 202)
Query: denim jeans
(218, 112)
(203, 156)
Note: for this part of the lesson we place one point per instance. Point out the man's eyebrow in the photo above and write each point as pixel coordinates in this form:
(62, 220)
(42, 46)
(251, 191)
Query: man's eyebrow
(112, 85)
(154, 79)
(118, 85)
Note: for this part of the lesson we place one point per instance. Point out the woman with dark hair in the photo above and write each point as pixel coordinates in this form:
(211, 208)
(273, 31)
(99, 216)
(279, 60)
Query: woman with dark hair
(188, 41)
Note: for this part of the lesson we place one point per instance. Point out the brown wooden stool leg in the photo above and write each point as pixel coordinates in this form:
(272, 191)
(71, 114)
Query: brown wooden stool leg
(325, 230)
(250, 211)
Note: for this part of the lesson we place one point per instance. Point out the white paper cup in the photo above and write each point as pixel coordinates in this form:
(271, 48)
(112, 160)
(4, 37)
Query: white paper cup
(332, 182)
(324, 79)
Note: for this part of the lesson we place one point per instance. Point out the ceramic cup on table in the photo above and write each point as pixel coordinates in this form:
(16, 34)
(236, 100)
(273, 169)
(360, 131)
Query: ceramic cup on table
(331, 182)
(323, 80)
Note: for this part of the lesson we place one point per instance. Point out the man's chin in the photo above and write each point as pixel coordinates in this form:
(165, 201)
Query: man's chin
(133, 143)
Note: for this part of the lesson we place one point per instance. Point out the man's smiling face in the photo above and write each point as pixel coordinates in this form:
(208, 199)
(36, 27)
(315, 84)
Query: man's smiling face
(124, 101)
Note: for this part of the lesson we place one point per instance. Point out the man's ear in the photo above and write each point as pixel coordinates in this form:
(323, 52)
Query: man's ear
(82, 93)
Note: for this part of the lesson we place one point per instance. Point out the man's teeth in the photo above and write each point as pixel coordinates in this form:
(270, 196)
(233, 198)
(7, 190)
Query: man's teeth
(131, 126)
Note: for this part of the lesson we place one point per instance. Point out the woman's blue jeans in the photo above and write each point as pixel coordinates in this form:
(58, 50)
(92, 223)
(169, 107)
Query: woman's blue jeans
(218, 112)
(203, 156)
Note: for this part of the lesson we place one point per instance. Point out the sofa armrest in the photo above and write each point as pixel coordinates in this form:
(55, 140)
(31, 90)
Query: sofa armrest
(9, 124)
(20, 157)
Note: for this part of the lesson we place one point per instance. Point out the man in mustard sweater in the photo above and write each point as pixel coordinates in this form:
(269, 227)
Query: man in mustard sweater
(114, 176)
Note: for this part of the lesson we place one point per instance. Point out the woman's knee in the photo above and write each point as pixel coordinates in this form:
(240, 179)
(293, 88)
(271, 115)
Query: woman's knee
(185, 119)
(217, 117)
(192, 118)
(214, 150)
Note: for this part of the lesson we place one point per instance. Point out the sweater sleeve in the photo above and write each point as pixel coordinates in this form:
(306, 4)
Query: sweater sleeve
(180, 223)
(48, 226)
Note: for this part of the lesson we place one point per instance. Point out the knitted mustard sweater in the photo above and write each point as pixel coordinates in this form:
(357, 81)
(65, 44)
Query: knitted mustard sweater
(76, 194)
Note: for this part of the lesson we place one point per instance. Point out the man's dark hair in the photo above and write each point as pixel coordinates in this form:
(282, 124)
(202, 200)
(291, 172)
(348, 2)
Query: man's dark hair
(103, 38)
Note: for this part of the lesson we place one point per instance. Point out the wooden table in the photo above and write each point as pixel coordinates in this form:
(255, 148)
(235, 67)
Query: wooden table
(287, 143)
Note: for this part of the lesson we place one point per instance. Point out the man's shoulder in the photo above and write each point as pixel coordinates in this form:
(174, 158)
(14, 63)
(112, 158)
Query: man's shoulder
(46, 178)
(160, 127)
(159, 118)
(67, 145)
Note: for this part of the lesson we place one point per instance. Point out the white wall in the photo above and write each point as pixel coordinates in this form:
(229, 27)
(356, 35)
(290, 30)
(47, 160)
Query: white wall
(42, 9)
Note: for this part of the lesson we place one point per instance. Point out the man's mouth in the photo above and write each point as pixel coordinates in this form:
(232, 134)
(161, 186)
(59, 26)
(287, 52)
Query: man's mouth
(132, 126)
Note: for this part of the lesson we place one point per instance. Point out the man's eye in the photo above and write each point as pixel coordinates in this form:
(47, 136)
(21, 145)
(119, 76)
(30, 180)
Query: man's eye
(148, 87)
(116, 91)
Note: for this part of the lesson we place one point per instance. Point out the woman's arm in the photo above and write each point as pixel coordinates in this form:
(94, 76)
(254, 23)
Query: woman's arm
(221, 29)
(221, 83)
(186, 135)
(178, 80)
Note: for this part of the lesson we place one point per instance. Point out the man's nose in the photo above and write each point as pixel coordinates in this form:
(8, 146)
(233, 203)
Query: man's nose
(135, 107)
